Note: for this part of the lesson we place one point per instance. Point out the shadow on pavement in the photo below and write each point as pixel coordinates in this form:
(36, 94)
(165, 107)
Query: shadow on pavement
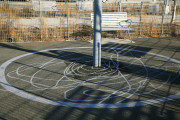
(162, 111)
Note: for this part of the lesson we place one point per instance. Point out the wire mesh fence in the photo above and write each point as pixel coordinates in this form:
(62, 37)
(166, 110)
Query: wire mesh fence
(37, 20)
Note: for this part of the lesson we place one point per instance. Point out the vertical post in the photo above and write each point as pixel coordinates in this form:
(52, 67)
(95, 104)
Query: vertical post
(167, 2)
(167, 7)
(97, 33)
(140, 19)
(119, 6)
(40, 9)
(10, 25)
(162, 22)
(174, 12)
(10, 29)
(67, 20)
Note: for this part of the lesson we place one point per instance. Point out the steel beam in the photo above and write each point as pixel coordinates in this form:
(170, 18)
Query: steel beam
(97, 33)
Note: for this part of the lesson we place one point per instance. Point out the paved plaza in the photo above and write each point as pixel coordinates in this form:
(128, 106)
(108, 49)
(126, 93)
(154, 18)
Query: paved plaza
(137, 80)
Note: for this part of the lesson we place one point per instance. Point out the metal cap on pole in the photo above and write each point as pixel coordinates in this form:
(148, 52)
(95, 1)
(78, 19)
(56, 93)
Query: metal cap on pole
(97, 33)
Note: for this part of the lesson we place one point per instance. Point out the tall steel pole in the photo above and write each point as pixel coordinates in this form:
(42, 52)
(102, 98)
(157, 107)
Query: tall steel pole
(97, 33)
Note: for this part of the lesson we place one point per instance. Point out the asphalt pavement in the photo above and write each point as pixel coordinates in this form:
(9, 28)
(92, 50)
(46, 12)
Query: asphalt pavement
(138, 80)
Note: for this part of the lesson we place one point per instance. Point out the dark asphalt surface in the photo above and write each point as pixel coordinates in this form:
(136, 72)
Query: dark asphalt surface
(14, 107)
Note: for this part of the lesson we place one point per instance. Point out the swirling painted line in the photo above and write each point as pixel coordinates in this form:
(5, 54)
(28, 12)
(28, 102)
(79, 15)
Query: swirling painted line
(26, 95)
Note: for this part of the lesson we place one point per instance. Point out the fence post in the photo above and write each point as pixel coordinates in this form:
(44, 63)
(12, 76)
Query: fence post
(10, 36)
(9, 29)
(119, 6)
(41, 27)
(162, 22)
(67, 20)
(174, 12)
(140, 19)
(97, 33)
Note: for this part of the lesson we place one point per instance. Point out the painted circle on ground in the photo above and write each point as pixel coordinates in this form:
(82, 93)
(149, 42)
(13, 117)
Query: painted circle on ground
(77, 69)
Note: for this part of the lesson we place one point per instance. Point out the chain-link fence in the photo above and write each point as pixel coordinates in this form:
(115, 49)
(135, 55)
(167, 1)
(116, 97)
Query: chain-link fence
(37, 20)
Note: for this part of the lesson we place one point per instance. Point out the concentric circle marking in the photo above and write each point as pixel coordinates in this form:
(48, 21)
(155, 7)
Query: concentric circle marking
(77, 70)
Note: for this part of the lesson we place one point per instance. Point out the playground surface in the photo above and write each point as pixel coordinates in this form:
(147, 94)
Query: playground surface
(56, 80)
